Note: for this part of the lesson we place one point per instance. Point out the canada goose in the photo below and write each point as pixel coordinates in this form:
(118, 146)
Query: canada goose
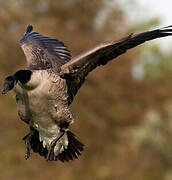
(46, 88)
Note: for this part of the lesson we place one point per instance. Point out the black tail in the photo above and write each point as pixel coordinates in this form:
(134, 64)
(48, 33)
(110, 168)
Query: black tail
(75, 147)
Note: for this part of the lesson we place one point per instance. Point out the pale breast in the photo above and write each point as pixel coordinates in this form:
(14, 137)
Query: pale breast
(42, 102)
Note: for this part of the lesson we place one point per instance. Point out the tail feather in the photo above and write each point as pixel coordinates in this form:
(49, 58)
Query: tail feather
(37, 146)
(75, 147)
(73, 150)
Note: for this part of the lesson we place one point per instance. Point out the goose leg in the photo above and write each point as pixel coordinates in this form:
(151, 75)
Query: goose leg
(52, 145)
(27, 140)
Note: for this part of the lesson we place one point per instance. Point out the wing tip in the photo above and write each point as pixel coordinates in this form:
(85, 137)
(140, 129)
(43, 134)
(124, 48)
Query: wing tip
(28, 29)
(167, 27)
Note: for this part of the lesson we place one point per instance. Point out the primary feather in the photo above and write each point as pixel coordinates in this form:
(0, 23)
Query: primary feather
(78, 67)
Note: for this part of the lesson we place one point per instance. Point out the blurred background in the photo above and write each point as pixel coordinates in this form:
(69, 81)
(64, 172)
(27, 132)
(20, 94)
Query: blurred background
(124, 110)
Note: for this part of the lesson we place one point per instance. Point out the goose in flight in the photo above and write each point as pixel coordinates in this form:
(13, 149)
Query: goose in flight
(48, 85)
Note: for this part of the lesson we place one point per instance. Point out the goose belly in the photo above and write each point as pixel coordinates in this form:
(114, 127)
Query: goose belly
(37, 105)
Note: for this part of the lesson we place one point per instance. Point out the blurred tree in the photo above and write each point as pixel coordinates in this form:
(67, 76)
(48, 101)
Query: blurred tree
(108, 107)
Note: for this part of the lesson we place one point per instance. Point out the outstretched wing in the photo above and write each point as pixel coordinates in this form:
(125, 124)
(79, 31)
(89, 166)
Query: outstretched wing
(43, 52)
(78, 68)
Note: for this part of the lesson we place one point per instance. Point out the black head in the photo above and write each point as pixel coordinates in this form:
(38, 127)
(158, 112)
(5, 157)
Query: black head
(9, 83)
(23, 75)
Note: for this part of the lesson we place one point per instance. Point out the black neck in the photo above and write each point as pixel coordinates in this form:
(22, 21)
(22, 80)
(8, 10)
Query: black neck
(23, 76)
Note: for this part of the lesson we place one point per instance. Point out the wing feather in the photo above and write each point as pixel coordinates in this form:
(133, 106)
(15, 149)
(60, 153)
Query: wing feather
(43, 52)
(78, 67)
